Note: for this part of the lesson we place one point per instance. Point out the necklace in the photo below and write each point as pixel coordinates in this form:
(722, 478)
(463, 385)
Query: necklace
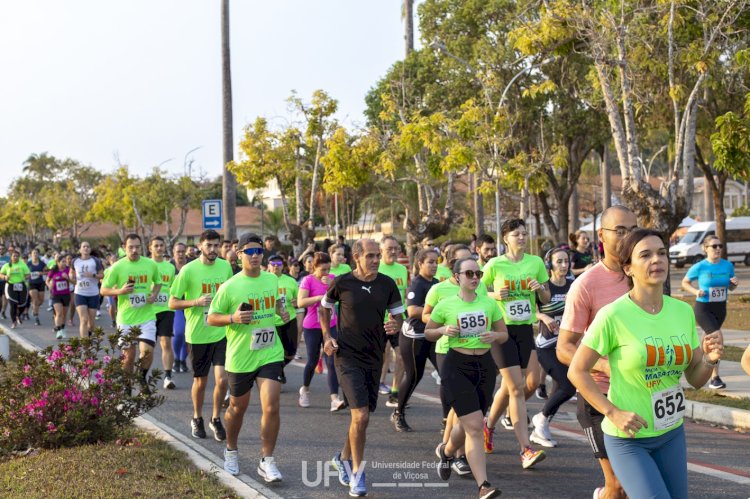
(644, 306)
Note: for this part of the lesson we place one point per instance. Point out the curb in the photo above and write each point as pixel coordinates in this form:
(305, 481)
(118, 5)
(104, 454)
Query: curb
(717, 414)
(202, 462)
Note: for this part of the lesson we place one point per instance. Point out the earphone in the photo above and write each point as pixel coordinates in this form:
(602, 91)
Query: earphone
(548, 256)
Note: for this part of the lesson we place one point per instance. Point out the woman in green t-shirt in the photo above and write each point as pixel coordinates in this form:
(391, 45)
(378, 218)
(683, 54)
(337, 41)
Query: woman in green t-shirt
(471, 323)
(16, 275)
(650, 340)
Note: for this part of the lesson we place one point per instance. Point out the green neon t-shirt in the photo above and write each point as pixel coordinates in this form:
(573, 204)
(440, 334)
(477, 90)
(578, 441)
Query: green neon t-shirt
(340, 269)
(288, 289)
(194, 280)
(472, 318)
(647, 356)
(443, 273)
(166, 271)
(439, 292)
(520, 306)
(132, 308)
(16, 272)
(400, 276)
(250, 346)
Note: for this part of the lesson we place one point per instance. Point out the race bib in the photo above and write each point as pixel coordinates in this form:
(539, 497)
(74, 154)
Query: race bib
(263, 338)
(518, 310)
(205, 316)
(668, 407)
(35, 275)
(83, 284)
(162, 299)
(471, 324)
(18, 286)
(137, 300)
(717, 294)
(61, 285)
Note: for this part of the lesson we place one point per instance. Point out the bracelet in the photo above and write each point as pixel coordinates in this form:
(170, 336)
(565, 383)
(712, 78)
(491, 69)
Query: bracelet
(711, 364)
(231, 319)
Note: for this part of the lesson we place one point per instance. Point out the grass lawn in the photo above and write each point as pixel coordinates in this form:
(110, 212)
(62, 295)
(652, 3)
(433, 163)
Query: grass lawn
(738, 311)
(712, 397)
(136, 466)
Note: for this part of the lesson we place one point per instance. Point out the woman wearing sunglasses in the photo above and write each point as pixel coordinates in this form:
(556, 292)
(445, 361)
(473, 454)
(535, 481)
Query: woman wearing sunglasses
(715, 278)
(471, 323)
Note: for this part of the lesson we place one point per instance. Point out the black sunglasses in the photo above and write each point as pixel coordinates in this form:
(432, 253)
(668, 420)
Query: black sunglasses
(472, 273)
(715, 246)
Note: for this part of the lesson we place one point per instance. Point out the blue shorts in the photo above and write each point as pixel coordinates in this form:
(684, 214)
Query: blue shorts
(89, 301)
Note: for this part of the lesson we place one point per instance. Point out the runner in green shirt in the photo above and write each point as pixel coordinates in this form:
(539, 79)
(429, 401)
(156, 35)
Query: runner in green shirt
(650, 341)
(192, 291)
(247, 306)
(136, 282)
(389, 249)
(288, 290)
(164, 316)
(471, 323)
(16, 274)
(338, 259)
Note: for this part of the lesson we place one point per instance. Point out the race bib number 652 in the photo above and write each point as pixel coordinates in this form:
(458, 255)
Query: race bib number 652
(668, 407)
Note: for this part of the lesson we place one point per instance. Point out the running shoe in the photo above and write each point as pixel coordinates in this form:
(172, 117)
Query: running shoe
(168, 383)
(13, 326)
(337, 404)
(232, 461)
(541, 392)
(185, 368)
(304, 397)
(219, 433)
(444, 466)
(506, 422)
(98, 315)
(461, 466)
(716, 383)
(392, 400)
(319, 366)
(343, 467)
(597, 492)
(49, 309)
(541, 434)
(436, 376)
(36, 320)
(60, 335)
(384, 389)
(529, 457)
(198, 430)
(358, 486)
(399, 422)
(268, 470)
(489, 436)
(487, 491)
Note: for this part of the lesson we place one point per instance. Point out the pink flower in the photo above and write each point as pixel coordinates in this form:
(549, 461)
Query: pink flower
(94, 401)
(26, 368)
(106, 359)
(89, 362)
(26, 382)
(51, 427)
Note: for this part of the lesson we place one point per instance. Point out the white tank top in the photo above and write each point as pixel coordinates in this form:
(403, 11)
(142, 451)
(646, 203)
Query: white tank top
(86, 286)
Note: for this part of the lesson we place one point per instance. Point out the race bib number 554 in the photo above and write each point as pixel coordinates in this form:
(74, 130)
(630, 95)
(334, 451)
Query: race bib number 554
(518, 310)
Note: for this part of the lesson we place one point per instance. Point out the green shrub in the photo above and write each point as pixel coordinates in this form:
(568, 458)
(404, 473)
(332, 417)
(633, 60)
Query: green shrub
(72, 394)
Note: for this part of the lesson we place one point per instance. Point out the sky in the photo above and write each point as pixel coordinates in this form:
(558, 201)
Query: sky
(139, 82)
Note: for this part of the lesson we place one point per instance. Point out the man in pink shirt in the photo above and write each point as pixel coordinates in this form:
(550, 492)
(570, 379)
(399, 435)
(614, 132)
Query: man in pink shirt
(595, 288)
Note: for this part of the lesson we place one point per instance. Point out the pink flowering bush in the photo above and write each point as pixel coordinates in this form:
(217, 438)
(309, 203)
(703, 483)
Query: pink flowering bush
(74, 393)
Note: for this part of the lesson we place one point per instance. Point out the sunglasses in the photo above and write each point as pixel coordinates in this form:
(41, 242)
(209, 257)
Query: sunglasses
(253, 251)
(715, 246)
(473, 273)
(276, 263)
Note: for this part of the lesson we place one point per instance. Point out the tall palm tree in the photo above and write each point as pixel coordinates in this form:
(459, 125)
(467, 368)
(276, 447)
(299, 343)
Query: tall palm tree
(229, 182)
(407, 13)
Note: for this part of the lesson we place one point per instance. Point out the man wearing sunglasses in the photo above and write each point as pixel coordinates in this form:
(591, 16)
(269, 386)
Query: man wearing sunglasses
(365, 296)
(592, 290)
(714, 277)
(192, 291)
(247, 306)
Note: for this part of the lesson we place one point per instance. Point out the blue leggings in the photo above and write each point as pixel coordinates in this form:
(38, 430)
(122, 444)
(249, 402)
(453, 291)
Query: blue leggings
(313, 342)
(178, 340)
(654, 467)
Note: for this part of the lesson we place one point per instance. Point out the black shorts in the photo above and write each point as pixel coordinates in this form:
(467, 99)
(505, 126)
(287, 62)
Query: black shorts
(468, 381)
(288, 335)
(38, 286)
(393, 340)
(164, 323)
(206, 354)
(63, 299)
(359, 383)
(591, 421)
(517, 350)
(710, 315)
(241, 383)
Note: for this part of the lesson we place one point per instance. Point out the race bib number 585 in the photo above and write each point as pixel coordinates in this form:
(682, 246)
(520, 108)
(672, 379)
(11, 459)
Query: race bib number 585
(472, 324)
(668, 407)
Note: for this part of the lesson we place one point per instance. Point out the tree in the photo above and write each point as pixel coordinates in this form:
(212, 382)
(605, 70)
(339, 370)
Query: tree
(114, 202)
(407, 14)
(229, 182)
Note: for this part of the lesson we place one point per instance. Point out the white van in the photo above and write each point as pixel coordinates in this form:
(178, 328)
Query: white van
(690, 248)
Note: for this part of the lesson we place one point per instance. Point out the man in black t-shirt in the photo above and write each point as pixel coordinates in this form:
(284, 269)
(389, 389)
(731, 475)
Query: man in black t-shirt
(364, 297)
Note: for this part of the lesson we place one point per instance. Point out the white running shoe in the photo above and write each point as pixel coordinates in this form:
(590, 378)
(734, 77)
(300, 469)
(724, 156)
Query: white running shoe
(168, 383)
(539, 439)
(541, 425)
(436, 377)
(268, 470)
(304, 397)
(337, 404)
(232, 461)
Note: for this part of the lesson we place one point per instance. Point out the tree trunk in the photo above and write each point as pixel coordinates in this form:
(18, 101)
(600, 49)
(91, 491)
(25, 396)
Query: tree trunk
(572, 209)
(606, 179)
(721, 216)
(229, 182)
(478, 204)
(314, 182)
(298, 197)
(408, 27)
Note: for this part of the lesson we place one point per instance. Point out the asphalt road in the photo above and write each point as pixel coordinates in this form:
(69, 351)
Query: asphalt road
(400, 465)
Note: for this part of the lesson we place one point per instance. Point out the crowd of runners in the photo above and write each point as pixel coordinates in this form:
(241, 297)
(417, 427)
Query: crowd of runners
(596, 321)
